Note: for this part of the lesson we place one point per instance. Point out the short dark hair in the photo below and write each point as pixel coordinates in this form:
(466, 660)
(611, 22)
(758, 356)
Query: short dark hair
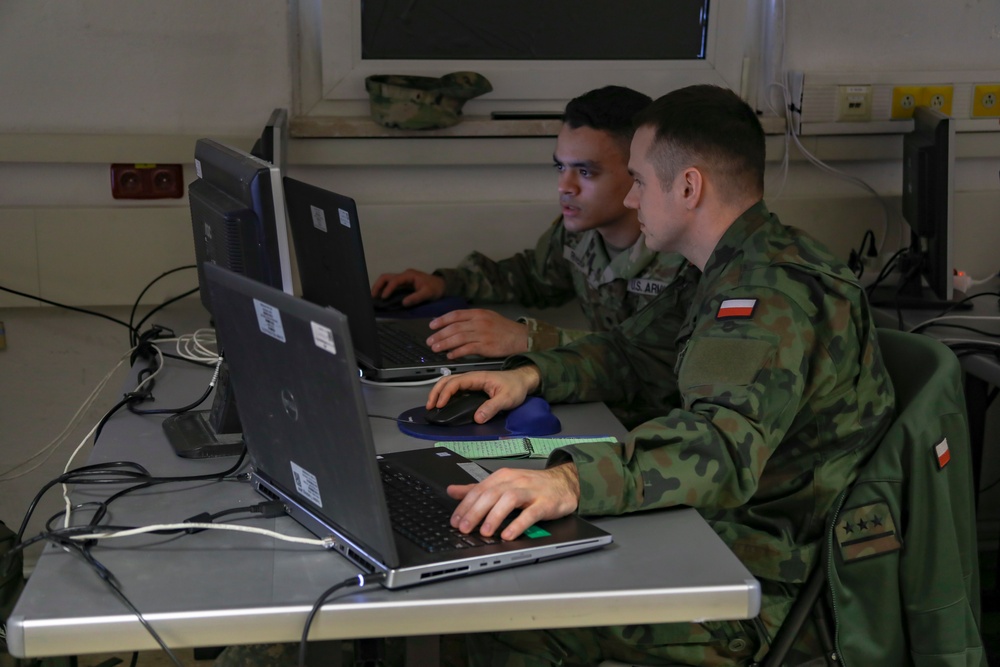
(610, 109)
(712, 128)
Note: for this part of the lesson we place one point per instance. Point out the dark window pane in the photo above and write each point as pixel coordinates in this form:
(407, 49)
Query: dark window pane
(534, 29)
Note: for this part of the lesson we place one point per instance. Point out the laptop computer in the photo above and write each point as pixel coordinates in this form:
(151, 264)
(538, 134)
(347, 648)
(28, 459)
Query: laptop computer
(331, 259)
(308, 436)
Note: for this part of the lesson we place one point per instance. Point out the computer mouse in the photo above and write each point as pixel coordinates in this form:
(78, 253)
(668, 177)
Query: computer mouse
(460, 410)
(394, 301)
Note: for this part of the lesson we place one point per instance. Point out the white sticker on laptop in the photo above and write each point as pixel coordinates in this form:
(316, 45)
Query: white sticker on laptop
(477, 471)
(197, 168)
(318, 217)
(305, 484)
(345, 218)
(323, 337)
(269, 320)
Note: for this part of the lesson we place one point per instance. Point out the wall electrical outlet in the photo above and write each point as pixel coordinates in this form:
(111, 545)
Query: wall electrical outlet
(904, 101)
(986, 100)
(854, 103)
(147, 181)
(936, 97)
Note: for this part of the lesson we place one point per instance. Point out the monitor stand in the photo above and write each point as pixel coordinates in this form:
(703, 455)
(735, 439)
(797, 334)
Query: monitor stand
(210, 433)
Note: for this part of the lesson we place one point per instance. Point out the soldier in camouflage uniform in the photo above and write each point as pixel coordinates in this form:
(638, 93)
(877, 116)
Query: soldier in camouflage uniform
(783, 388)
(594, 251)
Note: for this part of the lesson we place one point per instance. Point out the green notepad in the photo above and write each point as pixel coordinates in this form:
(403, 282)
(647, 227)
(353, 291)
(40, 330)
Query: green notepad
(515, 448)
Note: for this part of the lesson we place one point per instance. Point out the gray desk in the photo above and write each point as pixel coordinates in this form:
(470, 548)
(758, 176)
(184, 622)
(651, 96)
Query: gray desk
(220, 588)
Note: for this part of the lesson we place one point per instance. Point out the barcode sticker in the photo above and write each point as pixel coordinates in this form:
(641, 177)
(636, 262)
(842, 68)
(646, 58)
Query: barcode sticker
(323, 337)
(318, 218)
(269, 320)
(306, 484)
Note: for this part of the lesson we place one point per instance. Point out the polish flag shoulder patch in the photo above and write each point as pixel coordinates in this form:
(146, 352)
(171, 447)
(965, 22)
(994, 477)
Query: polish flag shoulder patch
(735, 308)
(942, 453)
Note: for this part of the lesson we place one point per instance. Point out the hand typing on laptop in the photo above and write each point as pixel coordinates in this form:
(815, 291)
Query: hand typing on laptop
(459, 333)
(426, 287)
(477, 331)
(539, 494)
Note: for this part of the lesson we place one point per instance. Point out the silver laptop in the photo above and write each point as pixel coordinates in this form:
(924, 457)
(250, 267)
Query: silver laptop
(308, 435)
(332, 270)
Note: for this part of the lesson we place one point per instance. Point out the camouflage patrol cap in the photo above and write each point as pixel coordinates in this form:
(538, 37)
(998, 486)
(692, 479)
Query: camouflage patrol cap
(422, 102)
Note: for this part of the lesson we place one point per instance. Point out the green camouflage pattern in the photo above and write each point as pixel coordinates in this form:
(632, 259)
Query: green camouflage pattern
(763, 449)
(764, 440)
(562, 266)
(422, 102)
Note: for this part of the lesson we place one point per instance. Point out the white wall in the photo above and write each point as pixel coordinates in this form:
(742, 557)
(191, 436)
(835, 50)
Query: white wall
(90, 82)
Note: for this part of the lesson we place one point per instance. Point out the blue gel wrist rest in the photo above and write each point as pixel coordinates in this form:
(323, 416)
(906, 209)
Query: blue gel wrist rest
(532, 418)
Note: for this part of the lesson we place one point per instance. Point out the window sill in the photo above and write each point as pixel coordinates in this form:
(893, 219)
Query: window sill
(354, 127)
(362, 127)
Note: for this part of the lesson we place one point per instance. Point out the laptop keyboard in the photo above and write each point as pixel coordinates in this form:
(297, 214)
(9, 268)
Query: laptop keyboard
(417, 513)
(400, 347)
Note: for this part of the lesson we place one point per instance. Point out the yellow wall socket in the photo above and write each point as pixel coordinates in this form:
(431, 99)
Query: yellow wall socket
(986, 100)
(904, 101)
(936, 97)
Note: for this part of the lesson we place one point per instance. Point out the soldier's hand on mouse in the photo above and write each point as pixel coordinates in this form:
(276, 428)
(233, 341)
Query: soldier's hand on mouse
(506, 389)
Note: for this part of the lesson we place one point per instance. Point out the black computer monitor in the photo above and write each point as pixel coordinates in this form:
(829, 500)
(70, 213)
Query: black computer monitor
(239, 222)
(238, 216)
(925, 267)
(272, 145)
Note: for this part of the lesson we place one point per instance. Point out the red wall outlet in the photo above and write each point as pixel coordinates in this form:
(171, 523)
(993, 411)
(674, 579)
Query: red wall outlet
(147, 181)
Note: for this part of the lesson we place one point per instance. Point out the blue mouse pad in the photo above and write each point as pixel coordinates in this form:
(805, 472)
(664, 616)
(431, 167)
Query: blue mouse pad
(532, 418)
(426, 309)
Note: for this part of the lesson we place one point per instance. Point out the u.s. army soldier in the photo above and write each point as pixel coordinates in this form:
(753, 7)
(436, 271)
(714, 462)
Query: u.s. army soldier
(593, 251)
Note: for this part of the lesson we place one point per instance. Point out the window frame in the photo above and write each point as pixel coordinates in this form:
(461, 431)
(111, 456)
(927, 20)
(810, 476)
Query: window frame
(332, 72)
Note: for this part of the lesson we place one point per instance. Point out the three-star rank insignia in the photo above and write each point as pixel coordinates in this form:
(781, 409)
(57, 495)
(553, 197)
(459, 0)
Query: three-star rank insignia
(867, 531)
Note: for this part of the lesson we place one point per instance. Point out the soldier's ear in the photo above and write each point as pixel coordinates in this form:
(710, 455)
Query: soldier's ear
(693, 184)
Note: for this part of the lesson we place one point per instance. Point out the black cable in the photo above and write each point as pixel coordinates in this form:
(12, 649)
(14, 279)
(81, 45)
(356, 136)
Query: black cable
(361, 580)
(890, 265)
(145, 289)
(146, 394)
(392, 419)
(171, 411)
(108, 578)
(73, 308)
(856, 261)
(164, 305)
(107, 415)
(989, 486)
(960, 327)
(84, 475)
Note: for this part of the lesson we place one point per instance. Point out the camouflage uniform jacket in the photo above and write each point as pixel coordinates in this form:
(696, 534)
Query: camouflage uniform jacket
(783, 394)
(564, 265)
